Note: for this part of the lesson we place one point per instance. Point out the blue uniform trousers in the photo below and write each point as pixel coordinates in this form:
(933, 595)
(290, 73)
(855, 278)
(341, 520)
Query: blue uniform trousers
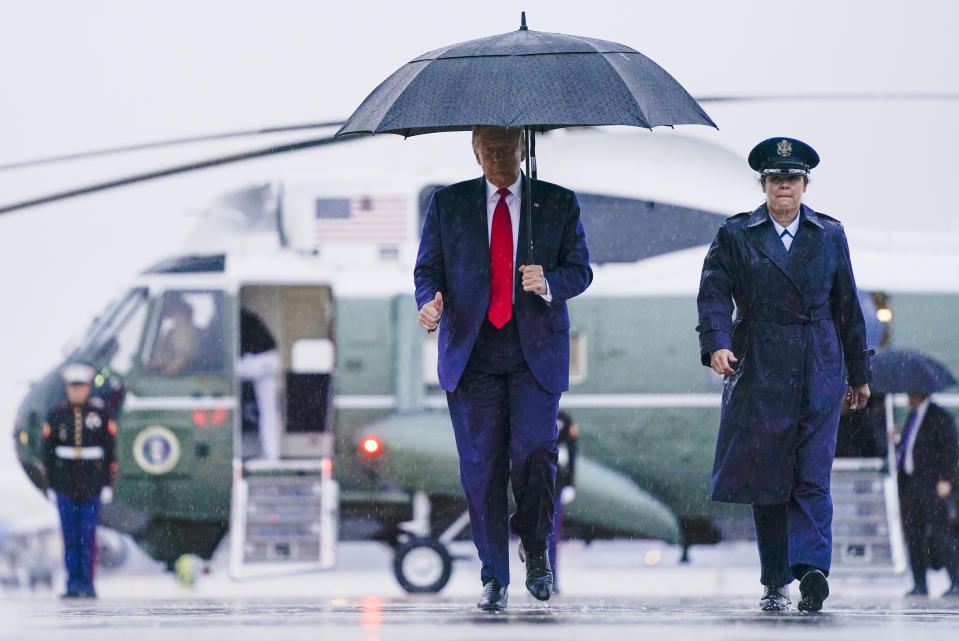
(505, 428)
(78, 521)
(796, 535)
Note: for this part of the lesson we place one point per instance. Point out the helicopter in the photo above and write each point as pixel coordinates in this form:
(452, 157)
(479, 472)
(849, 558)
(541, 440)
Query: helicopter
(373, 447)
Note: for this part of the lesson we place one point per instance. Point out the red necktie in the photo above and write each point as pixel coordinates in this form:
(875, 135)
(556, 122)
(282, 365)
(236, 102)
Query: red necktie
(501, 264)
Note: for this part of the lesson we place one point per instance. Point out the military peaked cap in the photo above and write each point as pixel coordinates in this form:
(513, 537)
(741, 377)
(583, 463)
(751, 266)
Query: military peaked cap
(783, 156)
(77, 373)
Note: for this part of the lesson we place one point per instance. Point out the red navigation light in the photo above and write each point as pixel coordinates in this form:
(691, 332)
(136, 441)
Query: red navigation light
(213, 418)
(219, 415)
(371, 446)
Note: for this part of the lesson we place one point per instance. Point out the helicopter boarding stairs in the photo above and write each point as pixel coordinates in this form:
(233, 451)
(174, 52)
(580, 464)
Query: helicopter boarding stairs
(866, 527)
(285, 513)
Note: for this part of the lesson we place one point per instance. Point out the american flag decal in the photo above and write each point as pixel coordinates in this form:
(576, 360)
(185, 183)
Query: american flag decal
(378, 219)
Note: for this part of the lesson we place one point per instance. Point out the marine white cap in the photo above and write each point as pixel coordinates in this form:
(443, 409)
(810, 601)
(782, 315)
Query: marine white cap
(77, 373)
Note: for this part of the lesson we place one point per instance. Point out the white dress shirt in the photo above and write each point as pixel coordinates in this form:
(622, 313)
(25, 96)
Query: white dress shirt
(908, 465)
(792, 229)
(513, 202)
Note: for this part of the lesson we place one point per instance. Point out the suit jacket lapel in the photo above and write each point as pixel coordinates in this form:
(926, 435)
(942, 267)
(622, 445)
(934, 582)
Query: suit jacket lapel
(472, 218)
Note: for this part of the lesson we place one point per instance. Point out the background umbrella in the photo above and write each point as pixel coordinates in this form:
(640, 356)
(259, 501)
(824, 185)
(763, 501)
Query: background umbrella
(526, 78)
(897, 371)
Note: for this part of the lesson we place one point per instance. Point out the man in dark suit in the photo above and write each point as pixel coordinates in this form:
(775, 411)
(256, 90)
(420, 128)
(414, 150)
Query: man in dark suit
(503, 345)
(926, 459)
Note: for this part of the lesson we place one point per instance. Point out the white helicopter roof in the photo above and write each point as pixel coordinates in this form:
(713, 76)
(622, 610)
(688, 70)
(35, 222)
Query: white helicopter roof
(917, 262)
(662, 166)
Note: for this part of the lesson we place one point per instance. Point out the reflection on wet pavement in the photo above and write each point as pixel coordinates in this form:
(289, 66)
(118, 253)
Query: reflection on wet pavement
(424, 618)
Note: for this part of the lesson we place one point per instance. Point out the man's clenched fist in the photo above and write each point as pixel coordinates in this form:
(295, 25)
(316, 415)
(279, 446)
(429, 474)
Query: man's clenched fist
(533, 279)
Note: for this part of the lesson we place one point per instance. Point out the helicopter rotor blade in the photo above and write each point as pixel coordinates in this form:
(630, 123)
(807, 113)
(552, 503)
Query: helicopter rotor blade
(178, 169)
(831, 96)
(318, 142)
(156, 144)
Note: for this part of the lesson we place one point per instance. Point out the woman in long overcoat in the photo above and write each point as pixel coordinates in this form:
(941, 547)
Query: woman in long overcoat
(797, 339)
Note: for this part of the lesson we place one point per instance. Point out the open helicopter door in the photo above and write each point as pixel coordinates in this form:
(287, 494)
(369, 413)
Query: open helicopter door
(285, 503)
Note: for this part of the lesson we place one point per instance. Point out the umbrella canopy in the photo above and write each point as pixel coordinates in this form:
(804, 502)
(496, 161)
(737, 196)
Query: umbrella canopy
(908, 371)
(525, 78)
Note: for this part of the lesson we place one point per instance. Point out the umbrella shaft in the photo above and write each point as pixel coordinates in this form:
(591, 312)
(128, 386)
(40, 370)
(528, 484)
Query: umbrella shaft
(530, 151)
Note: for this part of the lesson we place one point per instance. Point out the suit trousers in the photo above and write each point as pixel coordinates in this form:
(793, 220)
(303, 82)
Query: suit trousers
(505, 428)
(78, 522)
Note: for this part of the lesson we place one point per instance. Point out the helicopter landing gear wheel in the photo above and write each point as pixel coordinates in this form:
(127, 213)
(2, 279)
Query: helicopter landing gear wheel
(422, 565)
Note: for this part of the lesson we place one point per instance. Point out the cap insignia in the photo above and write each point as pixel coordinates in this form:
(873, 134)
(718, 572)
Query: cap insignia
(784, 148)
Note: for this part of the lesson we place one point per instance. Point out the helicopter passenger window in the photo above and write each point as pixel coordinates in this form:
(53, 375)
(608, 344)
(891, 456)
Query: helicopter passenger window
(187, 334)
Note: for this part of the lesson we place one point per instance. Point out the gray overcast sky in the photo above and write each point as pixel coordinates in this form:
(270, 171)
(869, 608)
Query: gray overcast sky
(79, 75)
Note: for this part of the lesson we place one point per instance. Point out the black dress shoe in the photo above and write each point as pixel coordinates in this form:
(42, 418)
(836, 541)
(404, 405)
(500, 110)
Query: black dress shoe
(918, 590)
(70, 594)
(539, 576)
(814, 589)
(775, 599)
(953, 591)
(493, 598)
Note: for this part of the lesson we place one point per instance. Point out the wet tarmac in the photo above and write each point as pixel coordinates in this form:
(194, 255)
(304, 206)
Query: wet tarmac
(376, 619)
(612, 591)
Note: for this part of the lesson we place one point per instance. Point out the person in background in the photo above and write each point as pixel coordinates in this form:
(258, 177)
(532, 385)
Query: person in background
(260, 364)
(79, 439)
(177, 347)
(862, 432)
(565, 483)
(926, 459)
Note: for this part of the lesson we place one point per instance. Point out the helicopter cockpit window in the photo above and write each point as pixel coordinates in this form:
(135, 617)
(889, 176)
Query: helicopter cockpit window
(125, 340)
(187, 335)
(114, 336)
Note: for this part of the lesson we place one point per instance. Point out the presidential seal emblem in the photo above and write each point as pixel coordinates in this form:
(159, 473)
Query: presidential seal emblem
(784, 148)
(156, 450)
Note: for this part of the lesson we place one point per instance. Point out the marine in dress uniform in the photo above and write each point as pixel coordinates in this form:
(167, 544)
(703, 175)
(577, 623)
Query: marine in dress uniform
(78, 446)
(797, 339)
(926, 459)
(503, 346)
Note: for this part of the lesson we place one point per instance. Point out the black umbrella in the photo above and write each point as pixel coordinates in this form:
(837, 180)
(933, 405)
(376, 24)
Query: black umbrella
(526, 78)
(908, 371)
